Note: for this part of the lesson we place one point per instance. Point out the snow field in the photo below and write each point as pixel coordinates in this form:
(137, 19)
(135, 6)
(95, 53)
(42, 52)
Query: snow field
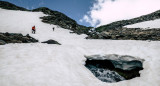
(38, 64)
(146, 25)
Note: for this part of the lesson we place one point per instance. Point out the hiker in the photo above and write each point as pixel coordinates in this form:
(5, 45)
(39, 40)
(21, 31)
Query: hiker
(33, 29)
(53, 28)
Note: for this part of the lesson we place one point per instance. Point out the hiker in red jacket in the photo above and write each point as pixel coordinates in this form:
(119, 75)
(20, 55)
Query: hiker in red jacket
(33, 29)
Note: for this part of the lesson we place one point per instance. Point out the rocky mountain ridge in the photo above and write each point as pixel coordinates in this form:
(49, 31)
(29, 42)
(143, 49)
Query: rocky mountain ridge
(114, 31)
(128, 34)
(54, 17)
(60, 19)
(10, 6)
(120, 24)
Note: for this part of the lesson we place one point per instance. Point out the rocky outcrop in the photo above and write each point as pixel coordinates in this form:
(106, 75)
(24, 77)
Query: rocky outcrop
(120, 24)
(6, 38)
(54, 17)
(2, 42)
(128, 34)
(51, 42)
(113, 30)
(126, 66)
(9, 6)
(116, 30)
(60, 19)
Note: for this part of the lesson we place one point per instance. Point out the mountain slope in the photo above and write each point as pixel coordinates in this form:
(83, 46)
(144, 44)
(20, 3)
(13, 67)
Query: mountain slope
(10, 6)
(119, 31)
(58, 18)
(52, 17)
(146, 24)
(120, 24)
(38, 64)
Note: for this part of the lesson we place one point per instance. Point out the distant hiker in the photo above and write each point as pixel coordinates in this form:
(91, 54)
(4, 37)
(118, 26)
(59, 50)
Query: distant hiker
(53, 28)
(33, 29)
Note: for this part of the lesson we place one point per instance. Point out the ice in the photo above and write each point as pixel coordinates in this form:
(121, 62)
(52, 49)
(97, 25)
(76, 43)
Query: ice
(63, 65)
(106, 75)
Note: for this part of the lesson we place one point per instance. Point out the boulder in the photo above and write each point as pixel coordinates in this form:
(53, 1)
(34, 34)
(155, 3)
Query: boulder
(2, 42)
(10, 6)
(16, 38)
(51, 42)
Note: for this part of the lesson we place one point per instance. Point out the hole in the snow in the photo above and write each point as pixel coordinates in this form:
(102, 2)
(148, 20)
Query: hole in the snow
(114, 68)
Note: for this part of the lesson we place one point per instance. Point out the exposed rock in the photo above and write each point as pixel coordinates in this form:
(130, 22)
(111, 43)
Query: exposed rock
(128, 34)
(120, 24)
(60, 19)
(54, 17)
(16, 41)
(9, 6)
(113, 30)
(16, 38)
(116, 31)
(126, 66)
(2, 42)
(51, 42)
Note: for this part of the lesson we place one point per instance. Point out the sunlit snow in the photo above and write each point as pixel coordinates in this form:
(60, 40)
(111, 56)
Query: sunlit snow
(146, 24)
(38, 64)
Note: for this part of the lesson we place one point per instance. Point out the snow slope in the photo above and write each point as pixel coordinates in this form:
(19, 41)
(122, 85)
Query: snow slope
(146, 24)
(38, 64)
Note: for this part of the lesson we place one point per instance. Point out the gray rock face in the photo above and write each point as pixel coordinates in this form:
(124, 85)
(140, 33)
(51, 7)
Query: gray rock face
(116, 31)
(60, 19)
(128, 34)
(123, 62)
(2, 42)
(16, 38)
(51, 42)
(120, 24)
(54, 17)
(7, 5)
